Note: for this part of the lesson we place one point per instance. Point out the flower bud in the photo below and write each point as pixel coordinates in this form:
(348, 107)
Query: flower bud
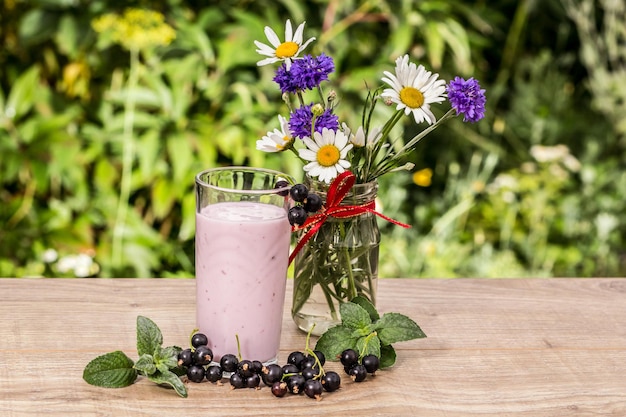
(317, 110)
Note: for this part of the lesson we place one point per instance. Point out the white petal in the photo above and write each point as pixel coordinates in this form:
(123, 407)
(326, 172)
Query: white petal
(297, 38)
(288, 31)
(307, 154)
(267, 61)
(272, 36)
(314, 146)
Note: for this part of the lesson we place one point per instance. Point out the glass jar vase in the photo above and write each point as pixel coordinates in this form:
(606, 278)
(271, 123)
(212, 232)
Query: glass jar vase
(337, 264)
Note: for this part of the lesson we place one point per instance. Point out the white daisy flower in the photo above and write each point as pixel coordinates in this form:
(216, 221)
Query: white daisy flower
(358, 139)
(413, 89)
(282, 51)
(277, 140)
(327, 153)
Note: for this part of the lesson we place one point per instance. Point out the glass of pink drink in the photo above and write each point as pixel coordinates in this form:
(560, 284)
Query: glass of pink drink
(242, 254)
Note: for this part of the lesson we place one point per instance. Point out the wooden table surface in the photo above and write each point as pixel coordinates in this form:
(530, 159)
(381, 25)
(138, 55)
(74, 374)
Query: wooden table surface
(519, 347)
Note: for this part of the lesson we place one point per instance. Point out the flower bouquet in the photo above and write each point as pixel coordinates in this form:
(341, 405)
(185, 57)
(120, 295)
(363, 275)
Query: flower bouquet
(337, 256)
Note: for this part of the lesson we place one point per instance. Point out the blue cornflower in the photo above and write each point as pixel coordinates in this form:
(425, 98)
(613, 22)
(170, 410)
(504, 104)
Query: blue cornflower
(306, 73)
(467, 98)
(309, 72)
(285, 79)
(300, 121)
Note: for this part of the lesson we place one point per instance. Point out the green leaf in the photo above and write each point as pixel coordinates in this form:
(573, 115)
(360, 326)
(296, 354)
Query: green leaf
(171, 379)
(145, 364)
(395, 327)
(335, 340)
(354, 316)
(167, 357)
(367, 305)
(111, 370)
(387, 356)
(369, 345)
(149, 337)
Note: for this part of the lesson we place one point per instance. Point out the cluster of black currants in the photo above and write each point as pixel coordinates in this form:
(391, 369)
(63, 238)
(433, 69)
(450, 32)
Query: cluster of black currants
(301, 374)
(357, 368)
(305, 203)
(196, 360)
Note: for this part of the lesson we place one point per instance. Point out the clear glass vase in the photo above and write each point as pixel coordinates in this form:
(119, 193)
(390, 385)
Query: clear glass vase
(338, 263)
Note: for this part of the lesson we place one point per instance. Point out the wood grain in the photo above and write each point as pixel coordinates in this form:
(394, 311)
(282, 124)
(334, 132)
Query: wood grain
(522, 347)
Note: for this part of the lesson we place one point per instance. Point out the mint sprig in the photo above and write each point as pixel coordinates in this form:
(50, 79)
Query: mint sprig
(364, 330)
(158, 363)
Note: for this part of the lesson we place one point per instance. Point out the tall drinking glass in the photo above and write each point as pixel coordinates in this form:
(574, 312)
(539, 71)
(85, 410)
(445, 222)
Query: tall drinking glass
(242, 254)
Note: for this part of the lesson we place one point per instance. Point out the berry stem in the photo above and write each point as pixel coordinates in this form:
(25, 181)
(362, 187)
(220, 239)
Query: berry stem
(367, 340)
(238, 347)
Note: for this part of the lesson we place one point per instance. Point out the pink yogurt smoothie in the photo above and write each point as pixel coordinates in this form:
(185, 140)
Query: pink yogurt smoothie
(242, 254)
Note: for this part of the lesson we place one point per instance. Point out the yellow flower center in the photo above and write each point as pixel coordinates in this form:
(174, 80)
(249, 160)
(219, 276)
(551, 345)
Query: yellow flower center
(412, 97)
(286, 50)
(328, 155)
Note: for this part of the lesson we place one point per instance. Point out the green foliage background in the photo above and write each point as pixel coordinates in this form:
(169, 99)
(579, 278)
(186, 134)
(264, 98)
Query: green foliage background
(554, 78)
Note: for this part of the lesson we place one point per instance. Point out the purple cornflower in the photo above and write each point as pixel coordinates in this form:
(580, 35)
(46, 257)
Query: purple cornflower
(467, 98)
(309, 72)
(305, 74)
(300, 121)
(286, 80)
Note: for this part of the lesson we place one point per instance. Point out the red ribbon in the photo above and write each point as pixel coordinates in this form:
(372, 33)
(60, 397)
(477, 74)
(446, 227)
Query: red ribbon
(337, 191)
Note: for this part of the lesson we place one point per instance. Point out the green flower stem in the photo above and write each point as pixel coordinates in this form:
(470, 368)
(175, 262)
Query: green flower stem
(394, 158)
(351, 287)
(127, 160)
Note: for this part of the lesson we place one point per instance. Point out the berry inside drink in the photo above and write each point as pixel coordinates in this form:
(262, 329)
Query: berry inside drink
(242, 252)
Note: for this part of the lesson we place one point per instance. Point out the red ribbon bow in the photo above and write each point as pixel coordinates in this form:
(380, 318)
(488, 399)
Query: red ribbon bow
(337, 191)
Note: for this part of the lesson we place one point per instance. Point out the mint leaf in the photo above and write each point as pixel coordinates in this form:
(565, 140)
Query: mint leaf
(395, 327)
(171, 379)
(367, 305)
(354, 316)
(111, 370)
(167, 356)
(149, 337)
(145, 364)
(387, 356)
(335, 340)
(369, 345)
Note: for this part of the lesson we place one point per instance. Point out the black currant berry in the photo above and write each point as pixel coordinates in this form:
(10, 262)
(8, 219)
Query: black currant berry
(295, 358)
(309, 362)
(237, 381)
(357, 372)
(320, 356)
(290, 369)
(310, 373)
(349, 357)
(213, 373)
(371, 363)
(253, 381)
(297, 215)
(257, 367)
(299, 192)
(313, 389)
(229, 363)
(199, 339)
(203, 355)
(295, 384)
(313, 203)
(282, 184)
(271, 373)
(279, 388)
(244, 368)
(195, 373)
(185, 358)
(331, 381)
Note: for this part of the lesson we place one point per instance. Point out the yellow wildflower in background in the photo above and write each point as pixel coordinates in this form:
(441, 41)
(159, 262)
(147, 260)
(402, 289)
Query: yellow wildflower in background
(423, 177)
(136, 29)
